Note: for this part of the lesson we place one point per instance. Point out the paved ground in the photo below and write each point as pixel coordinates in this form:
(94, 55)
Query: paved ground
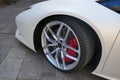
(17, 62)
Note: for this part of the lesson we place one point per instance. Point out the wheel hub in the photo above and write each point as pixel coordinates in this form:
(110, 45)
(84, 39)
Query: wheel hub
(59, 45)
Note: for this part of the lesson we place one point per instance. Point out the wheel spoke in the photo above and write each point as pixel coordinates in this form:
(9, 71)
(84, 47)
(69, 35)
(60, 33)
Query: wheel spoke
(69, 56)
(48, 38)
(69, 47)
(66, 35)
(50, 45)
(63, 61)
(55, 50)
(57, 60)
(59, 30)
(52, 33)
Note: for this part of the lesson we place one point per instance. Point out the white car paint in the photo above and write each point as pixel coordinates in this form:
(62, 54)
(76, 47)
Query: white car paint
(104, 21)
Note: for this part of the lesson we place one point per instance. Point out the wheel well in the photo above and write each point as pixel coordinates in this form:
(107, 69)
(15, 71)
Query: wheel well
(98, 48)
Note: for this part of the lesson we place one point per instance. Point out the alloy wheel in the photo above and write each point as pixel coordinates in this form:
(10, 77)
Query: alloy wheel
(60, 45)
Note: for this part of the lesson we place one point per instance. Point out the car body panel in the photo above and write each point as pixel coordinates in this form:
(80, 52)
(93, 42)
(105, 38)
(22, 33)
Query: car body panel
(113, 59)
(104, 22)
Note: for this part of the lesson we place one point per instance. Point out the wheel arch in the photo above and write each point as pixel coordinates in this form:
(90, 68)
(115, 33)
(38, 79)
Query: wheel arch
(98, 47)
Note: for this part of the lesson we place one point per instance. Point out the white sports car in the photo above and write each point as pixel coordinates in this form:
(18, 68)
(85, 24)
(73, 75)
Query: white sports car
(72, 32)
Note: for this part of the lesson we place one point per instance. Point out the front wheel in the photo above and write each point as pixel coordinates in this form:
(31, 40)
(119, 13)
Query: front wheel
(67, 45)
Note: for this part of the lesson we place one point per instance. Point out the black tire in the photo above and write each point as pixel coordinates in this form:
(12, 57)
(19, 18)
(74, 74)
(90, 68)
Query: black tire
(85, 38)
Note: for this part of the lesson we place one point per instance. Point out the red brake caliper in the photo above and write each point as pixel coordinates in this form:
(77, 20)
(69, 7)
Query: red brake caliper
(72, 43)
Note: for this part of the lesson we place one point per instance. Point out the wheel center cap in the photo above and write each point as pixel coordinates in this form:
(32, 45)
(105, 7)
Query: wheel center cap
(59, 45)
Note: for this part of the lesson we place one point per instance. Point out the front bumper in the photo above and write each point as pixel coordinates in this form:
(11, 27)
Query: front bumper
(24, 32)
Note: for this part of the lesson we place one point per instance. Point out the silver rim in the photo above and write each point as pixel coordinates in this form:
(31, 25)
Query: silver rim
(55, 43)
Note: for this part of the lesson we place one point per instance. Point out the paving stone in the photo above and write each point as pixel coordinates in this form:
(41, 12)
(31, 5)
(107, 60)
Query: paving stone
(2, 26)
(84, 74)
(47, 67)
(7, 79)
(11, 42)
(18, 44)
(27, 79)
(68, 76)
(13, 30)
(3, 36)
(3, 52)
(31, 69)
(48, 76)
(9, 68)
(33, 56)
(7, 42)
(16, 53)
(6, 29)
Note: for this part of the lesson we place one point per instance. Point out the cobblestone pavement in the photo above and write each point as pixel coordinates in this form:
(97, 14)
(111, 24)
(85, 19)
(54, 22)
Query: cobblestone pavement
(17, 62)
